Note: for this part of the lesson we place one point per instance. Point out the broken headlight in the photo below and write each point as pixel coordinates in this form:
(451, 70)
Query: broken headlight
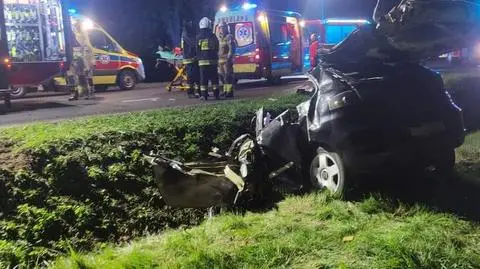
(344, 99)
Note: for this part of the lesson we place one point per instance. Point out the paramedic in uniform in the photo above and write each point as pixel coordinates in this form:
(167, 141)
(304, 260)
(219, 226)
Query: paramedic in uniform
(207, 55)
(80, 75)
(189, 59)
(225, 59)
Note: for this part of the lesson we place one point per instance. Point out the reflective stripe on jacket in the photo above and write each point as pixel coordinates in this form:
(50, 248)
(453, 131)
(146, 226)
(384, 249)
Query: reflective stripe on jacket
(227, 48)
(207, 48)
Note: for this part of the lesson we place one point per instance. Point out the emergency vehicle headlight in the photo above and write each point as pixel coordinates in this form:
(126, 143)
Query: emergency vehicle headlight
(224, 9)
(87, 24)
(262, 18)
(302, 23)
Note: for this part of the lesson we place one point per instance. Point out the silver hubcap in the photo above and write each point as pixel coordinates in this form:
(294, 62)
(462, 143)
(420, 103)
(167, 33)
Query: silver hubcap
(327, 173)
(128, 81)
(16, 90)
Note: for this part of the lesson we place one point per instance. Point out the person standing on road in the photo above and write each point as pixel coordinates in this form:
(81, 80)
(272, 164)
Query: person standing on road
(314, 46)
(81, 72)
(190, 60)
(207, 54)
(225, 59)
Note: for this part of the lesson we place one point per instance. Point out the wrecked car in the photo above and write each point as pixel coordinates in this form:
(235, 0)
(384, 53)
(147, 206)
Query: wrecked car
(373, 108)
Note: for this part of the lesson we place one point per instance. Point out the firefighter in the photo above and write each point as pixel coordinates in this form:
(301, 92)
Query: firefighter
(225, 59)
(207, 55)
(189, 59)
(81, 71)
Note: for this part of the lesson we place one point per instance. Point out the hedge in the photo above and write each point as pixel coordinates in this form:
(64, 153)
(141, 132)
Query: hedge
(86, 182)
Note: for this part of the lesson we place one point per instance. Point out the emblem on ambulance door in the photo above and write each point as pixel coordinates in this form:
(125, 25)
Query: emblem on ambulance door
(104, 59)
(243, 33)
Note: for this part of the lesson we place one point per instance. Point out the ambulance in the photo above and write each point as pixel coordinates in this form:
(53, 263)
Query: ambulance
(115, 66)
(269, 42)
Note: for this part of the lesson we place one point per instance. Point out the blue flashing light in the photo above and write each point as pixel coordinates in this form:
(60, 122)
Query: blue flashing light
(72, 11)
(290, 12)
(247, 6)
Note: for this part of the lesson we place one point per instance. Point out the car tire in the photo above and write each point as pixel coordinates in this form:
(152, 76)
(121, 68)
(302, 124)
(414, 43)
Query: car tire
(127, 80)
(327, 172)
(18, 92)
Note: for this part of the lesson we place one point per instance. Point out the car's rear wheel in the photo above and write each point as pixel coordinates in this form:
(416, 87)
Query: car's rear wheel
(18, 92)
(127, 80)
(327, 172)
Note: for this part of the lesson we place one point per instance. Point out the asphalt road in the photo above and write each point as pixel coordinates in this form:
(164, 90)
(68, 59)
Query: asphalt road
(55, 106)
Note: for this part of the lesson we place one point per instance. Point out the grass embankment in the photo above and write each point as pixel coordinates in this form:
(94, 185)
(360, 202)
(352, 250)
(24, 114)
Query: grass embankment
(40, 135)
(85, 182)
(307, 232)
(318, 232)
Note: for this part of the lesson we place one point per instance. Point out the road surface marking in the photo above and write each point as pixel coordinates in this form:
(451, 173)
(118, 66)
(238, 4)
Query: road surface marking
(171, 99)
(141, 100)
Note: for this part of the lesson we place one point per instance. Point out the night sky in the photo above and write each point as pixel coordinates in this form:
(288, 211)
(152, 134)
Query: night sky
(311, 9)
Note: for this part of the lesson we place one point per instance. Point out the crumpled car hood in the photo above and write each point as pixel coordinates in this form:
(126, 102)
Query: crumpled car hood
(426, 28)
(413, 30)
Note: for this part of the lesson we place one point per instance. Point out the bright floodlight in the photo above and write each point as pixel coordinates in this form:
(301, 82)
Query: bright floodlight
(302, 23)
(247, 6)
(262, 18)
(224, 9)
(87, 24)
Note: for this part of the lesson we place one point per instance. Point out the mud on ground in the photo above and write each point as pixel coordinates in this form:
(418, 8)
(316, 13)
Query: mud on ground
(11, 160)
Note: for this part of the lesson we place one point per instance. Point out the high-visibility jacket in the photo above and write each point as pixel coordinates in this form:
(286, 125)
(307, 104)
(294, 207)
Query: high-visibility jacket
(207, 48)
(227, 48)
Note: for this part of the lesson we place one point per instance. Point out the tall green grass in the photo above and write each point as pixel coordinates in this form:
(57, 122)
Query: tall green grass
(305, 232)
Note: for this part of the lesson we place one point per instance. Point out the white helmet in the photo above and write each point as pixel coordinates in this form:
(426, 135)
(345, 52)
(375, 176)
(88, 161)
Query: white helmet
(205, 23)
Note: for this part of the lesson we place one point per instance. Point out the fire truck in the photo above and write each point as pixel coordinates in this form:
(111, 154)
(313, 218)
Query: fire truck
(269, 42)
(35, 43)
